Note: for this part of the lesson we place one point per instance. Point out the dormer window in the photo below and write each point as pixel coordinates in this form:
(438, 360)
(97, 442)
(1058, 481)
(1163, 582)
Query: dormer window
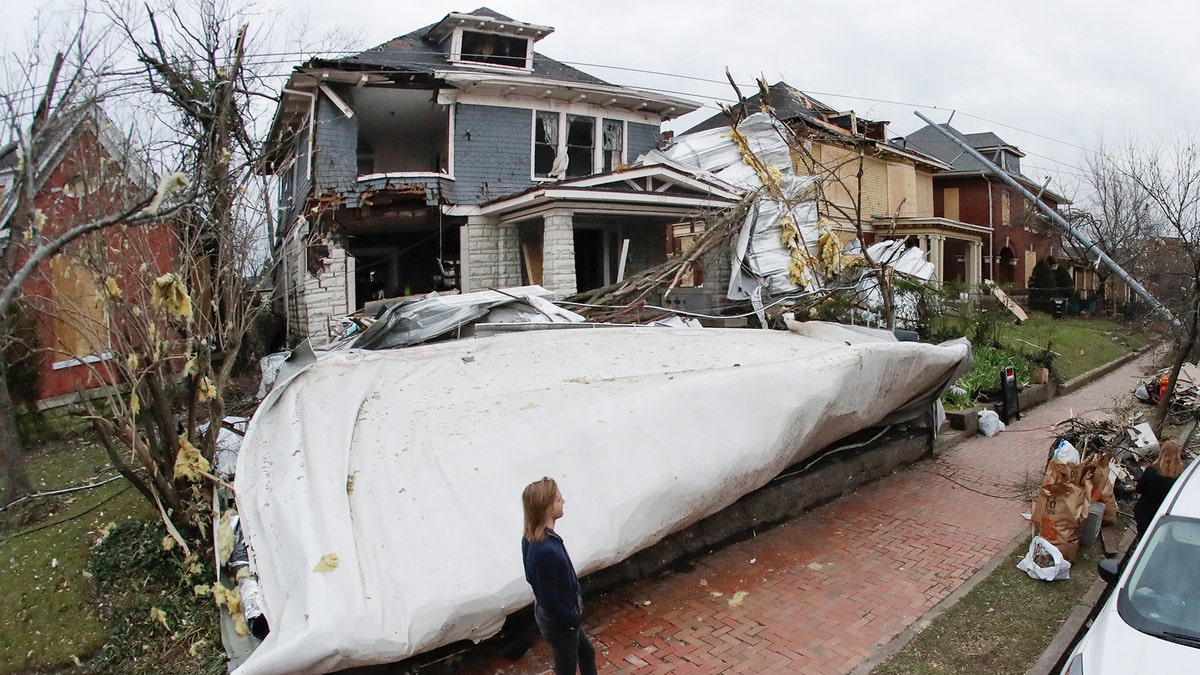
(486, 39)
(495, 50)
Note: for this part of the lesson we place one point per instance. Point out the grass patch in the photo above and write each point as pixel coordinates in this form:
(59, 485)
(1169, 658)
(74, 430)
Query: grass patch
(1000, 626)
(80, 580)
(45, 588)
(157, 622)
(1081, 344)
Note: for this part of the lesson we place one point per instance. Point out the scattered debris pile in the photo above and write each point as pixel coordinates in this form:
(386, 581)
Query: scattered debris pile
(1091, 464)
(1185, 398)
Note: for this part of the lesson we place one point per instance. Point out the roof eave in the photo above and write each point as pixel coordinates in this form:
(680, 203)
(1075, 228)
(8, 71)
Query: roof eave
(666, 107)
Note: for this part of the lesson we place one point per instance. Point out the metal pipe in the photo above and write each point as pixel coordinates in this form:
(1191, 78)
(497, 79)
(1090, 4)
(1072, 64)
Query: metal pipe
(1060, 222)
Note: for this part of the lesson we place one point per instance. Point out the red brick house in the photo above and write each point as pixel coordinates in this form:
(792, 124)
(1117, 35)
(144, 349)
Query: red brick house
(1017, 234)
(87, 173)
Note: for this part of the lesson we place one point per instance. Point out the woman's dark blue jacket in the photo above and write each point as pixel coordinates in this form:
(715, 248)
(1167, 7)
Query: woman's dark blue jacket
(549, 571)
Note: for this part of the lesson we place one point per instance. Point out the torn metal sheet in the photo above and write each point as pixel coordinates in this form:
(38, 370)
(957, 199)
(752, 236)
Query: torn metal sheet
(412, 323)
(408, 465)
(779, 245)
(907, 260)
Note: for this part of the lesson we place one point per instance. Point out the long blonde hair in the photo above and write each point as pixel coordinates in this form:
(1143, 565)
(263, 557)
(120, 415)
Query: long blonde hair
(537, 499)
(1170, 460)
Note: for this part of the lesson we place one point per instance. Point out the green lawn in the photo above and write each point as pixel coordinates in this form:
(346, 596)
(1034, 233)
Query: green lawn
(1072, 347)
(1081, 344)
(47, 616)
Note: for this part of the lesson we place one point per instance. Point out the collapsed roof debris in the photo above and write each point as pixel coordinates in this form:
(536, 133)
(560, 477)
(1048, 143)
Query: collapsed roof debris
(781, 246)
(432, 444)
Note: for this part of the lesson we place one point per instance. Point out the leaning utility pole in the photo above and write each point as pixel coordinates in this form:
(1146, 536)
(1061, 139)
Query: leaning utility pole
(1060, 222)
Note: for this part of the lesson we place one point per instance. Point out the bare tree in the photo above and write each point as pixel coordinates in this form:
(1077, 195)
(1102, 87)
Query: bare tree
(180, 328)
(49, 103)
(1168, 176)
(1116, 215)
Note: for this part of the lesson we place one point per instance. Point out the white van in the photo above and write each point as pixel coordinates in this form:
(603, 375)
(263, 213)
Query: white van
(1151, 621)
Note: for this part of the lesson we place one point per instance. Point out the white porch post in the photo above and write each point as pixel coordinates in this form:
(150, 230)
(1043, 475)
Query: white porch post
(937, 256)
(558, 253)
(975, 266)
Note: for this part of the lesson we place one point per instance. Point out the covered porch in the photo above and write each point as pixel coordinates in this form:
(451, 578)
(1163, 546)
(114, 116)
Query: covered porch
(955, 248)
(584, 234)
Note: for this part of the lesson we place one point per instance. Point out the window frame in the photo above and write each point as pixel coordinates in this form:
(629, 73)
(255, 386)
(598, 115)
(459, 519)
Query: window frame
(598, 151)
(456, 53)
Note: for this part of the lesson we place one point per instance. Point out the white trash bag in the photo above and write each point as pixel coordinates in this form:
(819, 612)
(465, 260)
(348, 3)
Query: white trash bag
(1044, 561)
(1065, 452)
(989, 423)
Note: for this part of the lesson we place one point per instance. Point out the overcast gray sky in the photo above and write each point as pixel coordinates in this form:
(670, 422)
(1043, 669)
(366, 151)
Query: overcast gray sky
(1048, 76)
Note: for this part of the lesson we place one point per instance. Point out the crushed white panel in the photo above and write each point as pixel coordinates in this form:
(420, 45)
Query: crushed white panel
(760, 258)
(408, 465)
(909, 261)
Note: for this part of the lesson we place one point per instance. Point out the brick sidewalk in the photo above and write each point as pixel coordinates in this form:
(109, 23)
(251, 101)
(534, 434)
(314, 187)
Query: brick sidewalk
(824, 592)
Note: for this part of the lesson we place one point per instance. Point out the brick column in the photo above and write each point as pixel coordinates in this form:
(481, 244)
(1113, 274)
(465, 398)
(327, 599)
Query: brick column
(558, 253)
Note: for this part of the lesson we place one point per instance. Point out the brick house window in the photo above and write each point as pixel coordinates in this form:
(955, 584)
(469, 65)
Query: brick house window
(80, 322)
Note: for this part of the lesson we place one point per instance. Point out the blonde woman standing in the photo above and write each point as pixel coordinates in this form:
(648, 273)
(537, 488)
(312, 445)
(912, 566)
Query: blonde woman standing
(557, 601)
(1156, 482)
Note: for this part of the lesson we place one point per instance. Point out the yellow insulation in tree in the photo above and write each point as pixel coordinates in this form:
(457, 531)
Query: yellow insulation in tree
(171, 293)
(189, 463)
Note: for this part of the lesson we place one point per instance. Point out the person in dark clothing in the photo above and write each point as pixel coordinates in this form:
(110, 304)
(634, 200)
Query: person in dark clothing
(557, 601)
(1156, 482)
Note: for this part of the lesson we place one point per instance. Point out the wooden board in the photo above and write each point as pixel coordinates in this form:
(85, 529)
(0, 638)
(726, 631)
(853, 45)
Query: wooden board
(1010, 304)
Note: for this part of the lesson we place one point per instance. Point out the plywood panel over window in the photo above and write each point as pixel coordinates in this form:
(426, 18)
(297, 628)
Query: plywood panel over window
(1005, 208)
(839, 172)
(950, 203)
(80, 322)
(902, 189)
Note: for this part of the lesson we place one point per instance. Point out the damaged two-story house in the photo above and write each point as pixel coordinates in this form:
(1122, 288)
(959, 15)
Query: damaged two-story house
(457, 157)
(872, 183)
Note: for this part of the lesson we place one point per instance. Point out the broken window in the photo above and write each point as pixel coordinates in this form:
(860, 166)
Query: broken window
(574, 145)
(495, 50)
(614, 144)
(581, 145)
(545, 143)
(681, 239)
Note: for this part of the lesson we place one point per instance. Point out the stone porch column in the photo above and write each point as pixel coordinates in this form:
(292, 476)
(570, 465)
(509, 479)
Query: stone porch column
(508, 254)
(558, 253)
(478, 253)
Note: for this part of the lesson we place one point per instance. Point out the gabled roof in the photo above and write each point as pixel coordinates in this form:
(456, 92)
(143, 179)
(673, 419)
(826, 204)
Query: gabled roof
(653, 188)
(421, 52)
(794, 107)
(930, 141)
(110, 139)
(789, 104)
